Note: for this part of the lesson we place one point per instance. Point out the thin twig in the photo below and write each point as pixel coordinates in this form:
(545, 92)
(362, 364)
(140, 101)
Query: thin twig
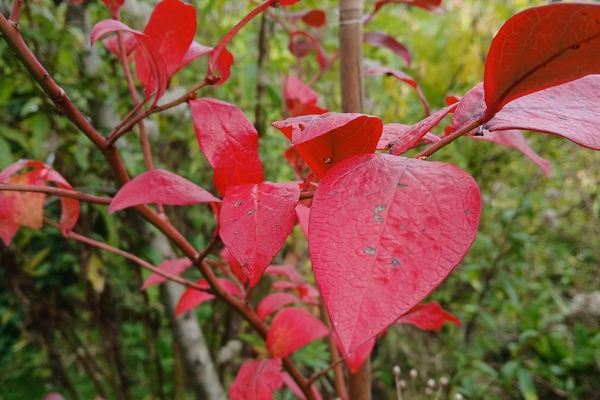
(323, 372)
(54, 191)
(448, 139)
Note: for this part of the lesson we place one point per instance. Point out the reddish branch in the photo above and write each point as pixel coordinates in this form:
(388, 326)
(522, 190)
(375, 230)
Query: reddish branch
(54, 191)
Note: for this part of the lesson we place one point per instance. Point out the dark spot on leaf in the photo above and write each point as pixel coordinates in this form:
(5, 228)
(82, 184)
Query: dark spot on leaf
(379, 208)
(301, 127)
(327, 160)
(563, 119)
(395, 262)
(467, 212)
(277, 224)
(403, 225)
(423, 230)
(575, 47)
(378, 218)
(238, 203)
(370, 251)
(407, 253)
(250, 212)
(402, 185)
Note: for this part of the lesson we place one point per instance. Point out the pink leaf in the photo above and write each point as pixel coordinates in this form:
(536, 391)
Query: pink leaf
(382, 40)
(70, 207)
(291, 329)
(229, 142)
(173, 267)
(357, 358)
(469, 108)
(514, 138)
(285, 270)
(289, 382)
(429, 317)
(322, 57)
(539, 48)
(401, 76)
(256, 220)
(112, 44)
(296, 89)
(162, 187)
(172, 27)
(315, 18)
(303, 212)
(403, 136)
(273, 302)
(150, 66)
(324, 140)
(307, 292)
(411, 137)
(195, 51)
(384, 232)
(192, 298)
(257, 380)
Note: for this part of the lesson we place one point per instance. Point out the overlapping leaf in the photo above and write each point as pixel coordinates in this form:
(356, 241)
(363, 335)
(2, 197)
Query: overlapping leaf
(401, 76)
(173, 267)
(384, 232)
(291, 329)
(257, 380)
(376, 39)
(428, 316)
(69, 207)
(357, 358)
(324, 140)
(322, 57)
(229, 142)
(274, 302)
(539, 48)
(403, 137)
(161, 187)
(192, 298)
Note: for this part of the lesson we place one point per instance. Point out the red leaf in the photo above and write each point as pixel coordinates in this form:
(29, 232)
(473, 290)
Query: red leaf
(257, 380)
(112, 44)
(285, 270)
(69, 207)
(411, 137)
(429, 317)
(291, 329)
(307, 292)
(16, 167)
(114, 6)
(195, 51)
(234, 265)
(322, 57)
(324, 140)
(162, 187)
(172, 27)
(357, 358)
(539, 48)
(514, 138)
(215, 63)
(229, 142)
(569, 110)
(470, 107)
(384, 232)
(403, 136)
(256, 220)
(173, 267)
(300, 48)
(296, 89)
(429, 5)
(303, 212)
(149, 62)
(289, 382)
(382, 40)
(401, 76)
(273, 302)
(192, 298)
(315, 17)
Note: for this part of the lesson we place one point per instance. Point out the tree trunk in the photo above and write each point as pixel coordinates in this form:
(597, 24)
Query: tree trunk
(351, 60)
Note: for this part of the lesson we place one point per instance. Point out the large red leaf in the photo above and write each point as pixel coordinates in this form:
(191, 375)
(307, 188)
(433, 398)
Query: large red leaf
(256, 220)
(257, 380)
(162, 187)
(69, 207)
(324, 140)
(274, 302)
(429, 5)
(410, 138)
(384, 232)
(192, 298)
(376, 39)
(357, 358)
(428, 316)
(151, 65)
(173, 267)
(172, 27)
(291, 329)
(229, 142)
(289, 382)
(401, 76)
(403, 137)
(312, 17)
(539, 48)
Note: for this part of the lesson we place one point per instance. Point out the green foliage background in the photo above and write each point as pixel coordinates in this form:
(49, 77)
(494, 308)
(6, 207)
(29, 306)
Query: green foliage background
(538, 245)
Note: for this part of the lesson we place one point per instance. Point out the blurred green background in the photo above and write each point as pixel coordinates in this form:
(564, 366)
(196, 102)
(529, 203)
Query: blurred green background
(524, 293)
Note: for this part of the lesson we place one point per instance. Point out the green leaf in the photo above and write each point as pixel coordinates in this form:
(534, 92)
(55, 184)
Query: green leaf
(526, 385)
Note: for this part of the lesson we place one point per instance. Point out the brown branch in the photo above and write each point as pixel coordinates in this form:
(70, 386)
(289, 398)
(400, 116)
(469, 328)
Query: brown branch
(54, 191)
(323, 372)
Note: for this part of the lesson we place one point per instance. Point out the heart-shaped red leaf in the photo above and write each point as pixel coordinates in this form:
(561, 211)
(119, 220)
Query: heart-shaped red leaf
(315, 17)
(384, 232)
(539, 48)
(192, 298)
(291, 329)
(173, 267)
(257, 380)
(229, 142)
(172, 27)
(357, 358)
(274, 302)
(428, 316)
(324, 140)
(376, 39)
(256, 220)
(162, 187)
(401, 76)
